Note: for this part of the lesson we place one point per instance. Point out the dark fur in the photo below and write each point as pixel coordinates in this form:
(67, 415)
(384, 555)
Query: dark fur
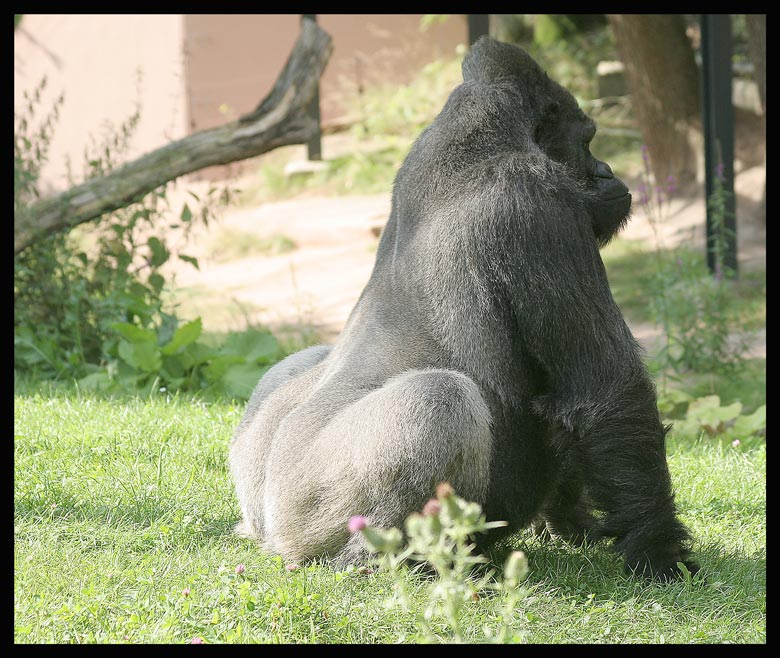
(488, 267)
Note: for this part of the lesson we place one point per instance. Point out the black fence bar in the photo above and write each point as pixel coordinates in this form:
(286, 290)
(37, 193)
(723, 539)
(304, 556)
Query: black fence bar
(718, 124)
(479, 25)
(314, 145)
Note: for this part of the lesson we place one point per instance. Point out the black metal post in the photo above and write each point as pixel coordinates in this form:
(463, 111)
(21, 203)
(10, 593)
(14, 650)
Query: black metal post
(718, 124)
(314, 145)
(479, 24)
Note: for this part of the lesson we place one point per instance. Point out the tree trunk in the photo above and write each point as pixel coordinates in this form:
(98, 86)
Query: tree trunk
(280, 119)
(756, 29)
(664, 83)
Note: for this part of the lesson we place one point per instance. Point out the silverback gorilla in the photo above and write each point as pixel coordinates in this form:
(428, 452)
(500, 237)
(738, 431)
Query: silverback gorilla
(486, 350)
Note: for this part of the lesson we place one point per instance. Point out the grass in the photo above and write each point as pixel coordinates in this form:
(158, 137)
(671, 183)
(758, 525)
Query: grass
(122, 534)
(234, 244)
(631, 264)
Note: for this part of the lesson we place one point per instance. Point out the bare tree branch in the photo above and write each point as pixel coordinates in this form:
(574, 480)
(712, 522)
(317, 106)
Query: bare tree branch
(280, 119)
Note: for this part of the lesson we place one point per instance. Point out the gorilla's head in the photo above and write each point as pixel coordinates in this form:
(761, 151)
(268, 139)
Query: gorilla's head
(560, 129)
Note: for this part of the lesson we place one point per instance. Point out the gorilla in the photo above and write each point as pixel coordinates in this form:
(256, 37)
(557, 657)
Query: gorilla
(486, 351)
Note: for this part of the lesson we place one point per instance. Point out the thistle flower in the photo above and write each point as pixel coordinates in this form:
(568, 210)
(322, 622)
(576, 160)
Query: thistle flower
(292, 567)
(240, 569)
(357, 523)
(197, 640)
(736, 443)
(185, 592)
(444, 490)
(432, 507)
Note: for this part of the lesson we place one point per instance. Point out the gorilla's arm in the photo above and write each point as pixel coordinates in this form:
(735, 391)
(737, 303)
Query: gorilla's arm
(598, 392)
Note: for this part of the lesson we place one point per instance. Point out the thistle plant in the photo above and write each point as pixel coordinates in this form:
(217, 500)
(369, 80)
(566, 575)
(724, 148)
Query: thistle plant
(655, 201)
(441, 536)
(691, 306)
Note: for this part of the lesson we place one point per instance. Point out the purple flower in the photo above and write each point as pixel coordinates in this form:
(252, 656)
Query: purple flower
(240, 569)
(671, 185)
(357, 523)
(186, 592)
(646, 158)
(431, 508)
(444, 490)
(735, 443)
(292, 567)
(197, 640)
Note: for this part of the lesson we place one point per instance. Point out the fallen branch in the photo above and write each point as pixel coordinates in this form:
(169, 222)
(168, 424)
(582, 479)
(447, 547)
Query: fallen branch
(279, 120)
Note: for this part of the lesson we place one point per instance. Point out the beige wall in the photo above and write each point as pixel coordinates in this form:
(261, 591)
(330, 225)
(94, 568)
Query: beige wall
(233, 60)
(94, 60)
(200, 70)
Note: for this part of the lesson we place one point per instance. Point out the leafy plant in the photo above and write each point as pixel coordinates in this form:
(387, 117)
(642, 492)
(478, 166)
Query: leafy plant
(706, 416)
(695, 310)
(88, 303)
(441, 536)
(142, 359)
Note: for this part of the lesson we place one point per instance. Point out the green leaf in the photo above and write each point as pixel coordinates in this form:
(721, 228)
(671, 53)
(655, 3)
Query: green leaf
(157, 282)
(196, 354)
(751, 424)
(254, 345)
(189, 259)
(671, 399)
(730, 412)
(159, 252)
(219, 365)
(142, 355)
(703, 404)
(97, 381)
(184, 335)
(167, 327)
(173, 367)
(240, 379)
(186, 213)
(133, 333)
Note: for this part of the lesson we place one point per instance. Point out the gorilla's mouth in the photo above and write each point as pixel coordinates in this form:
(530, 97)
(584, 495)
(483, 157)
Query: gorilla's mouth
(618, 197)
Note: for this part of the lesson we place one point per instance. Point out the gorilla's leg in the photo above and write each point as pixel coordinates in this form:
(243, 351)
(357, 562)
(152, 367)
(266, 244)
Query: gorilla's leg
(252, 440)
(382, 457)
(566, 514)
(629, 482)
(282, 372)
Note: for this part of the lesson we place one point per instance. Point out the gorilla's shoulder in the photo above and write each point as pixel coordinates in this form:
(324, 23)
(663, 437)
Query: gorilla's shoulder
(513, 173)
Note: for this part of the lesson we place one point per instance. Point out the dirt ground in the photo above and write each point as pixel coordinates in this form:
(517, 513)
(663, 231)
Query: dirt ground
(317, 284)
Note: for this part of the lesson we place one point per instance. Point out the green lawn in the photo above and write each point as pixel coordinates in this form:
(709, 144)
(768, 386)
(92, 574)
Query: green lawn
(122, 534)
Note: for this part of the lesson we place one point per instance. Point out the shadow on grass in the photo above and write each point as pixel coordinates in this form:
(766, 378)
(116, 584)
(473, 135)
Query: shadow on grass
(596, 570)
(140, 516)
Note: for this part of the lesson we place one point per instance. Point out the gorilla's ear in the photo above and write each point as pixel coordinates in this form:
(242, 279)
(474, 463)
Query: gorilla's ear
(489, 60)
(548, 121)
